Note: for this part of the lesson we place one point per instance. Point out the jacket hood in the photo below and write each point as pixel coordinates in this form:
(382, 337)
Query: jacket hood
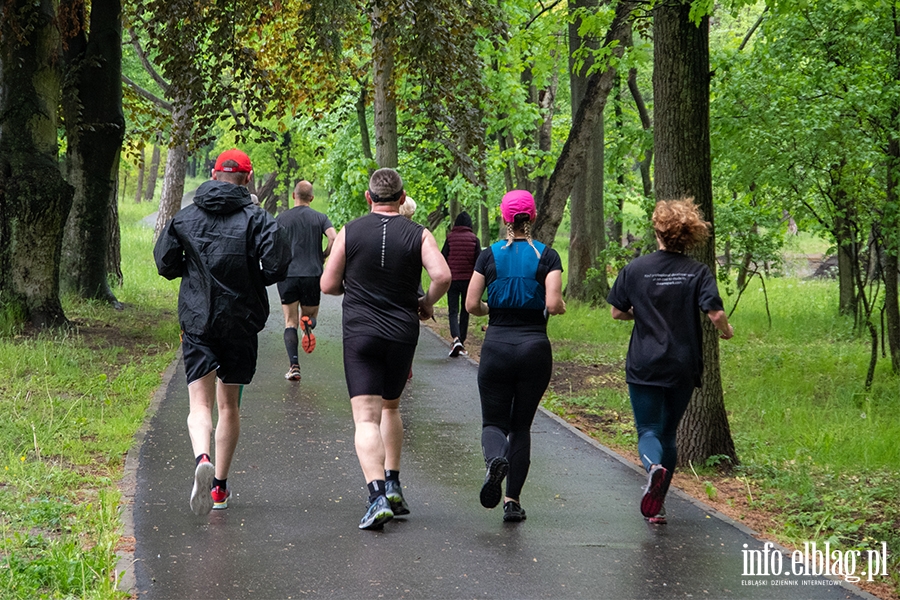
(221, 197)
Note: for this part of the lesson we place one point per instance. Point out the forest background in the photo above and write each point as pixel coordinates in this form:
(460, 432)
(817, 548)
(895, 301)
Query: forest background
(779, 118)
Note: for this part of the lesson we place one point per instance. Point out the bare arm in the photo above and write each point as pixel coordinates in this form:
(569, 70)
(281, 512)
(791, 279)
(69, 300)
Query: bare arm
(438, 271)
(330, 233)
(554, 300)
(474, 305)
(720, 320)
(332, 281)
(619, 315)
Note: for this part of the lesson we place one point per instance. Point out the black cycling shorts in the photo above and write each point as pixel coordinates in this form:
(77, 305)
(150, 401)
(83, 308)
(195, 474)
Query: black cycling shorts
(233, 359)
(306, 290)
(376, 366)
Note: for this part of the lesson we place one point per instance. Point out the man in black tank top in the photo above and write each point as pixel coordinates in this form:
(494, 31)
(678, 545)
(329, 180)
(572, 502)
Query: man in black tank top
(376, 262)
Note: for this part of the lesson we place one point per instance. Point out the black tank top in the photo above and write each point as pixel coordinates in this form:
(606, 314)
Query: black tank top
(382, 277)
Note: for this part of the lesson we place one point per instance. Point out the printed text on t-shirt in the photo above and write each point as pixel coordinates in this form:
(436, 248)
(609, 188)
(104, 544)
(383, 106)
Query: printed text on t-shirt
(670, 278)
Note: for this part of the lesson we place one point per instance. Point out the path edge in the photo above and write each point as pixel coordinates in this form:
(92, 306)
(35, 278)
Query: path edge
(125, 578)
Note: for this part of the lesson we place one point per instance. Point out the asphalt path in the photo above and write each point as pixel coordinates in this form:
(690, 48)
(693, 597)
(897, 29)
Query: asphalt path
(290, 530)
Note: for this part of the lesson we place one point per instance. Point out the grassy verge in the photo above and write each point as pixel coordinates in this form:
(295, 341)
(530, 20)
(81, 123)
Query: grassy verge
(72, 402)
(819, 457)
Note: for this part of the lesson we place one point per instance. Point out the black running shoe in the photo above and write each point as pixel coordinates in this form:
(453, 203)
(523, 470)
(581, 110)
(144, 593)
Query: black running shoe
(377, 514)
(492, 490)
(513, 512)
(655, 493)
(394, 495)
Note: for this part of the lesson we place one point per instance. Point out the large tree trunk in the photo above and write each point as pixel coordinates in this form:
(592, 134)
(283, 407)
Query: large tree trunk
(34, 197)
(683, 168)
(176, 162)
(153, 175)
(95, 128)
(386, 147)
(587, 236)
(571, 160)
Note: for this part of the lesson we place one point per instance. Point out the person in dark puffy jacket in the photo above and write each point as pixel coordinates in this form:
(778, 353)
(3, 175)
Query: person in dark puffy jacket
(226, 251)
(461, 251)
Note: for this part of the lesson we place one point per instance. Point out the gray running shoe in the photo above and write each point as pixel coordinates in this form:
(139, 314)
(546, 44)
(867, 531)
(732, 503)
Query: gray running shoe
(377, 514)
(201, 498)
(394, 493)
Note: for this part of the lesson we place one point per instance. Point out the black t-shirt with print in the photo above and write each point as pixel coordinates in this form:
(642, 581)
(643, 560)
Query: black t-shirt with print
(667, 291)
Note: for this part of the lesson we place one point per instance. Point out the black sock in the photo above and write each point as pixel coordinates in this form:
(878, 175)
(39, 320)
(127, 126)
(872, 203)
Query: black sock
(220, 483)
(392, 476)
(199, 458)
(290, 344)
(376, 488)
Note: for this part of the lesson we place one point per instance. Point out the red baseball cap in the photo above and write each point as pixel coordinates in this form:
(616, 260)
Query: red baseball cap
(242, 160)
(517, 202)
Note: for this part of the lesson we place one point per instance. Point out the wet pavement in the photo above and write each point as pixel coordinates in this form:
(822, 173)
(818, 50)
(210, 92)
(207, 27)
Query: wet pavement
(291, 527)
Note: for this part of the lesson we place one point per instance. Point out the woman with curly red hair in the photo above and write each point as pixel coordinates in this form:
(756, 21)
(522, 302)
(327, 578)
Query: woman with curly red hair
(664, 293)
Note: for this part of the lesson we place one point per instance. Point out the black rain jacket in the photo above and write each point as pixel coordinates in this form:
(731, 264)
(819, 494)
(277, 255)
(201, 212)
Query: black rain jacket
(226, 251)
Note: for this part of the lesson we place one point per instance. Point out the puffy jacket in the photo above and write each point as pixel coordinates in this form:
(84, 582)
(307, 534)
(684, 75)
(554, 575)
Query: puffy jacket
(226, 251)
(461, 251)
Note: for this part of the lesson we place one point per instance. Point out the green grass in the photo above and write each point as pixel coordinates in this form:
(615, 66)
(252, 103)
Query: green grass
(72, 401)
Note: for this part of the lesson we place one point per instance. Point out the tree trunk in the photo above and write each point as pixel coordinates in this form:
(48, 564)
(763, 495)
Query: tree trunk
(587, 235)
(140, 177)
(363, 121)
(34, 197)
(95, 128)
(114, 243)
(176, 161)
(847, 255)
(890, 229)
(386, 152)
(571, 160)
(683, 169)
(153, 175)
(647, 125)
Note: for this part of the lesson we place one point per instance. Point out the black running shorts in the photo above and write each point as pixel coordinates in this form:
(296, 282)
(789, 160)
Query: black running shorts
(306, 290)
(376, 367)
(233, 359)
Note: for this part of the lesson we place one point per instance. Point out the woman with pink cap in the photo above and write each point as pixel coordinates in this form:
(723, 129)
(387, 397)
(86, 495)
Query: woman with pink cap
(523, 279)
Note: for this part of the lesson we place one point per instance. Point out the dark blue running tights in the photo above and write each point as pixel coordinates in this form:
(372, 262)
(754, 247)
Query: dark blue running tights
(657, 412)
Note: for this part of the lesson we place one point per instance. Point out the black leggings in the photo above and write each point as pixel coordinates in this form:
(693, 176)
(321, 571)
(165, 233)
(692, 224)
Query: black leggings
(456, 308)
(512, 379)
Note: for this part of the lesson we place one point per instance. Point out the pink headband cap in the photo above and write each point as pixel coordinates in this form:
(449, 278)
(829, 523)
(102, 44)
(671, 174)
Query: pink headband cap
(517, 202)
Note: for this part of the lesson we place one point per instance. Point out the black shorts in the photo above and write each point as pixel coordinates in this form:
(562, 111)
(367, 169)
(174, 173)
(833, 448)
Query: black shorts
(306, 290)
(233, 359)
(376, 367)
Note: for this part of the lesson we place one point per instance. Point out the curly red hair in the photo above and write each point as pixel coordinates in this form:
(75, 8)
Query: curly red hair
(679, 224)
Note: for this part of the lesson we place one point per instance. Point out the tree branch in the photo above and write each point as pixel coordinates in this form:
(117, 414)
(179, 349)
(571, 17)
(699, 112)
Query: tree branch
(543, 10)
(754, 28)
(148, 66)
(166, 106)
